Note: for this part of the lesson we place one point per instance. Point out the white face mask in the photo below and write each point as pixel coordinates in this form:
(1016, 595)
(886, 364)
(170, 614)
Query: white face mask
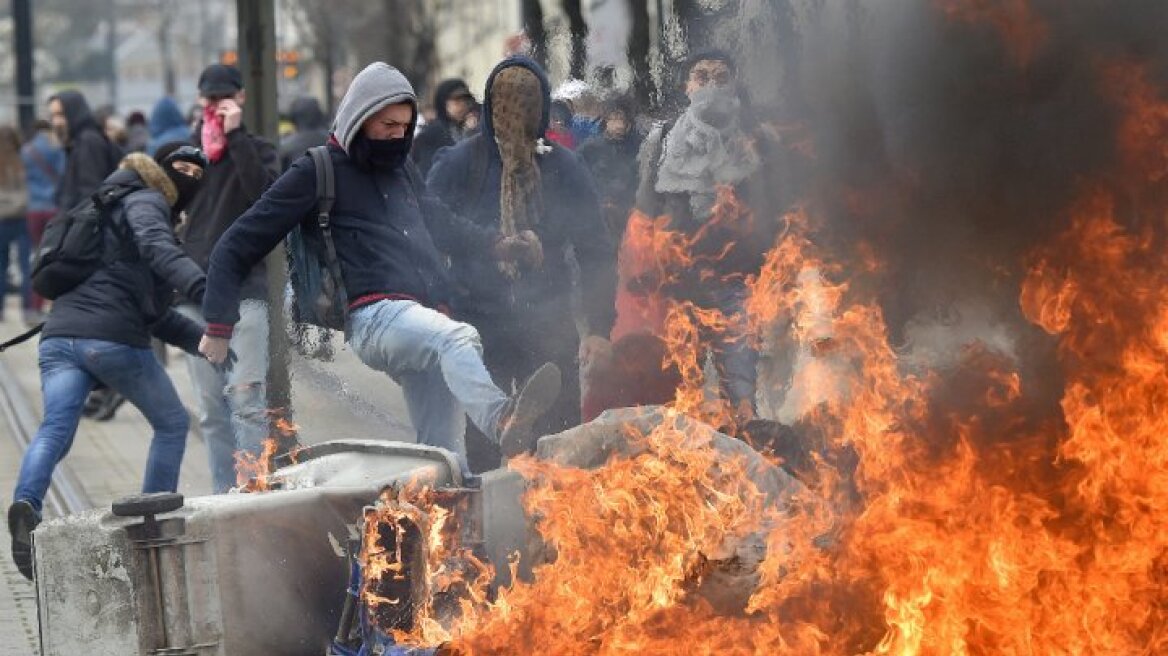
(716, 106)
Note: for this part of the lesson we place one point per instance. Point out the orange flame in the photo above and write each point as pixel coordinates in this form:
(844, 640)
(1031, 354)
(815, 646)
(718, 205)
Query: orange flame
(412, 549)
(966, 532)
(1143, 130)
(943, 518)
(251, 470)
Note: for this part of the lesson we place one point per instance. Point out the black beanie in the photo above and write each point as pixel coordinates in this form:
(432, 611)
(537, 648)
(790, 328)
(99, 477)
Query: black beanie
(164, 152)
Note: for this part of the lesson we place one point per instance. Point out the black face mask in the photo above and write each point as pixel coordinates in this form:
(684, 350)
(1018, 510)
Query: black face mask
(186, 186)
(383, 154)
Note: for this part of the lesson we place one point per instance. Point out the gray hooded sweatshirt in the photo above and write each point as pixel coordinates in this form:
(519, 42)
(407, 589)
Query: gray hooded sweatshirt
(375, 88)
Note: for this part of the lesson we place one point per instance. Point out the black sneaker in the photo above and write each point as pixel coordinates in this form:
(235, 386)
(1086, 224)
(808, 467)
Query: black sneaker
(93, 402)
(22, 520)
(109, 406)
(538, 394)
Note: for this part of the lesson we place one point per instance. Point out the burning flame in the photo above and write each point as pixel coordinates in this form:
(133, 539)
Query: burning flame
(949, 511)
(251, 470)
(413, 558)
(966, 532)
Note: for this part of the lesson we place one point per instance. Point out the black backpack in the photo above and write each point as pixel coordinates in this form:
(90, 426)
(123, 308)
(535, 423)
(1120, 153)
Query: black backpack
(318, 288)
(73, 246)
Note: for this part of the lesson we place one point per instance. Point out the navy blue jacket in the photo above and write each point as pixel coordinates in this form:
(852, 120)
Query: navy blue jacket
(572, 217)
(128, 300)
(381, 227)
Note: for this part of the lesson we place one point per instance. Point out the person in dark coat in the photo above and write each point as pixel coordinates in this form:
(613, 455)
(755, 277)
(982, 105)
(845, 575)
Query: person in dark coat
(387, 229)
(509, 179)
(311, 130)
(89, 155)
(232, 404)
(611, 156)
(453, 104)
(99, 332)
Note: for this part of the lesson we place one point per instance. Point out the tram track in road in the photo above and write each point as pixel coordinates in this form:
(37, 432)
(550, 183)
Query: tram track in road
(66, 495)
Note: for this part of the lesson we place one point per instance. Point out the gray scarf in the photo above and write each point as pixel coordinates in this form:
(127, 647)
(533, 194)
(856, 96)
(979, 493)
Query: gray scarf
(706, 148)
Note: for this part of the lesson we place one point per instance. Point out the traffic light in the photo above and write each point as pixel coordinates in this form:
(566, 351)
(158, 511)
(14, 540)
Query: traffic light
(289, 64)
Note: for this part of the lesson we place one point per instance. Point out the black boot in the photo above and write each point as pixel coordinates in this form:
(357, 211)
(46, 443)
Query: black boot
(109, 406)
(22, 520)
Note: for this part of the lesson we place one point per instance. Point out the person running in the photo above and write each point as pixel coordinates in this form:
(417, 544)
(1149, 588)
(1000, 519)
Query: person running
(99, 332)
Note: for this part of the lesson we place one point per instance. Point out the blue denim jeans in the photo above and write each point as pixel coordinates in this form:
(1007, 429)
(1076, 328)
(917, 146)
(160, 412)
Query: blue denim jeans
(233, 405)
(69, 370)
(735, 358)
(439, 364)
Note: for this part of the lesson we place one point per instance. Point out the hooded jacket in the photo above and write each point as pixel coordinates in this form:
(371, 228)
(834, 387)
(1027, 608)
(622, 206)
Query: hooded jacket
(90, 156)
(571, 217)
(128, 300)
(442, 132)
(381, 223)
(230, 186)
(311, 130)
(167, 124)
(614, 167)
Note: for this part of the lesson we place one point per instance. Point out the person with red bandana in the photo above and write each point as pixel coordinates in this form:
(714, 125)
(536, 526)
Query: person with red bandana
(232, 404)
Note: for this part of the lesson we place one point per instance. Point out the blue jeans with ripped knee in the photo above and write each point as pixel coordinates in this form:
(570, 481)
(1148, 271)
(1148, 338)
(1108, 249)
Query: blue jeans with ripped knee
(233, 405)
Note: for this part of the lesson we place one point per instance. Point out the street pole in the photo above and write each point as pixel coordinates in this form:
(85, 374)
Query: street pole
(25, 92)
(257, 63)
(111, 46)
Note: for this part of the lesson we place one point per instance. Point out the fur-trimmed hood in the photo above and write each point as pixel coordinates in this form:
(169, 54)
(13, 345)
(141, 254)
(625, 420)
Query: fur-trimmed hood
(152, 174)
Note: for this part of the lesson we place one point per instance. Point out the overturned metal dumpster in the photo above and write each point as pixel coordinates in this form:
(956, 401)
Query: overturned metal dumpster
(233, 574)
(271, 573)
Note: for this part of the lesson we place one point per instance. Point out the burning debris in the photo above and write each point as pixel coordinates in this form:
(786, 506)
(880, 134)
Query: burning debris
(252, 470)
(1006, 496)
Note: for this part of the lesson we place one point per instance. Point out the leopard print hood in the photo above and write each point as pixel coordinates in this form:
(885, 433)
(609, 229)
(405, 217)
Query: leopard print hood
(545, 85)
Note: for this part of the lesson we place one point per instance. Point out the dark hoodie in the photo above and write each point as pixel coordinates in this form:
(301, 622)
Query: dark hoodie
(311, 130)
(90, 156)
(128, 300)
(571, 217)
(381, 222)
(443, 132)
(614, 167)
(167, 124)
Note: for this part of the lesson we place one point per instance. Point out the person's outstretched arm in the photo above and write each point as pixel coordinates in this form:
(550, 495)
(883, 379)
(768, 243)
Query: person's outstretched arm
(253, 235)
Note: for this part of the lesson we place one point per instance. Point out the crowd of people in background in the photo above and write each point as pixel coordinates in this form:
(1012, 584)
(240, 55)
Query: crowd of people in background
(491, 250)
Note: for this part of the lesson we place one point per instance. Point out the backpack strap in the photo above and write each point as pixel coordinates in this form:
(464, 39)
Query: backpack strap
(326, 192)
(104, 199)
(23, 337)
